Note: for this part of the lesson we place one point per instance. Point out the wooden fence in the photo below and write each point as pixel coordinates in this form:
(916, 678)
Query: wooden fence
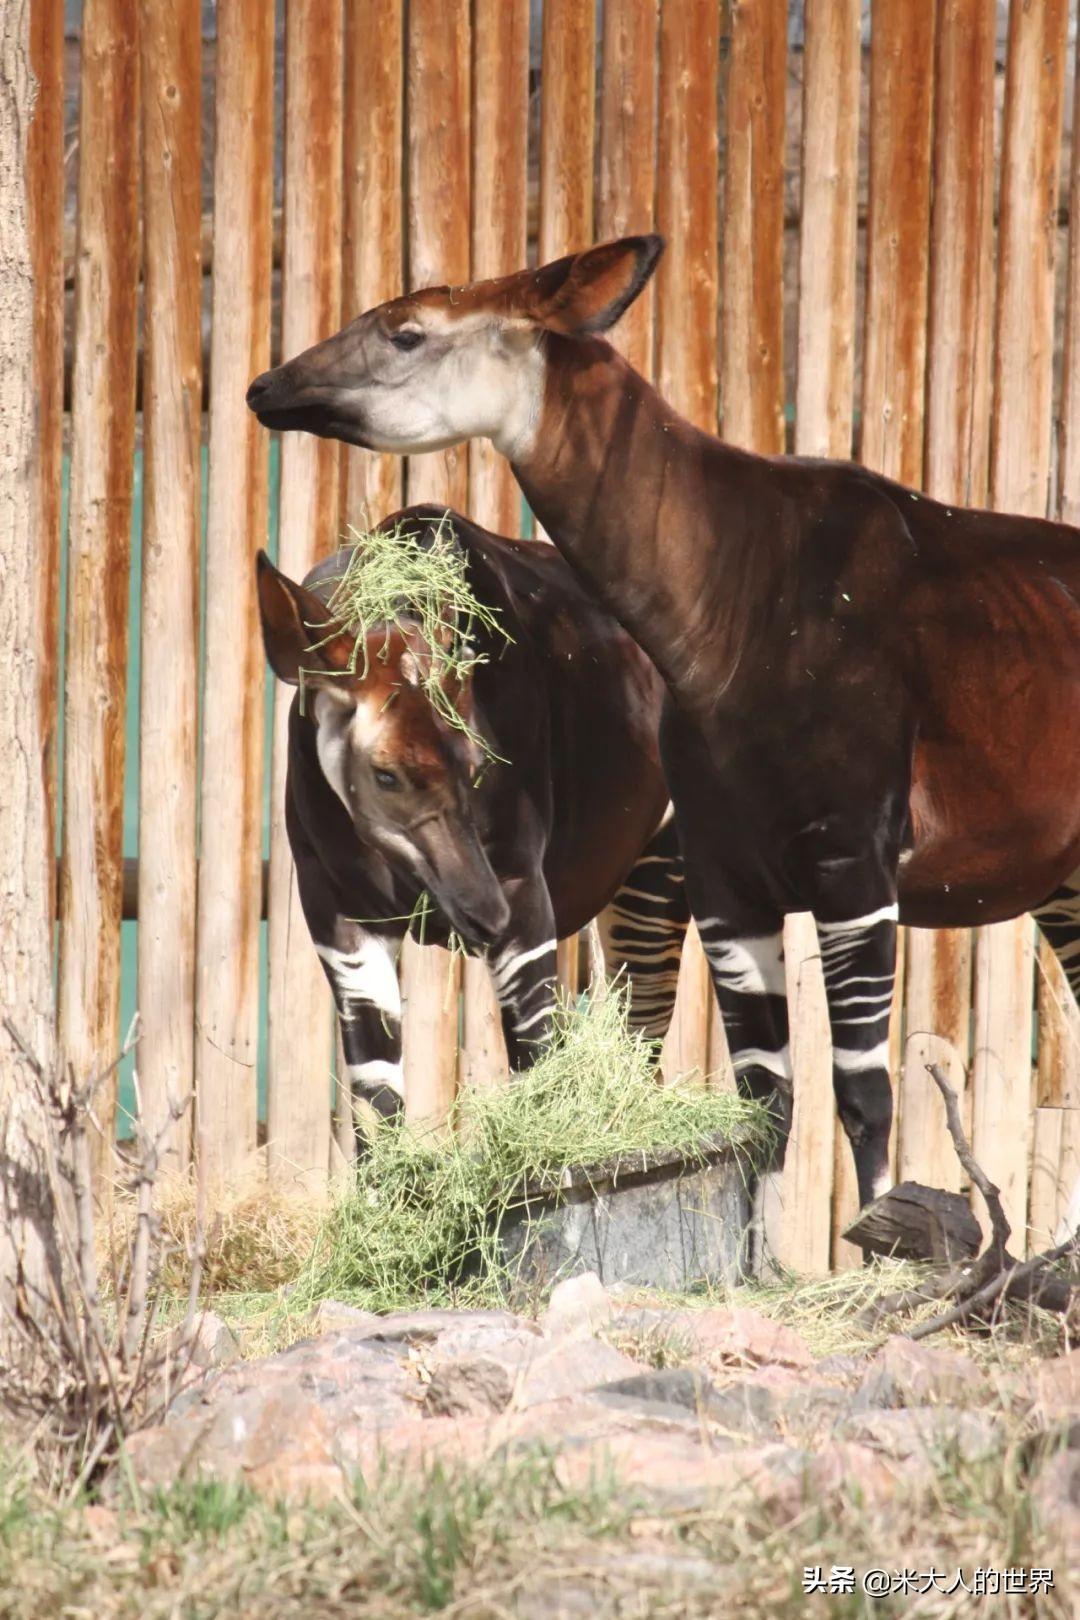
(868, 253)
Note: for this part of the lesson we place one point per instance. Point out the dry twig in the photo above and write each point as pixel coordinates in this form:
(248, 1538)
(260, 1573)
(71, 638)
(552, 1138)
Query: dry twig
(977, 1286)
(83, 1377)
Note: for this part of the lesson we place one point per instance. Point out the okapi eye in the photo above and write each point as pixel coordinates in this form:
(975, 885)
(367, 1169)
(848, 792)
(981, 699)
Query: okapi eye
(387, 780)
(406, 337)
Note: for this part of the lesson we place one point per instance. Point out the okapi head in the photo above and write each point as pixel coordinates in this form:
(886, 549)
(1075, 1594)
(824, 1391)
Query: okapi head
(451, 363)
(404, 773)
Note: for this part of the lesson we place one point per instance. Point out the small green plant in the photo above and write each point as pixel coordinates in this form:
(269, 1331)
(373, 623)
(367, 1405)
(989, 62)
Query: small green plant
(423, 1220)
(408, 579)
(206, 1508)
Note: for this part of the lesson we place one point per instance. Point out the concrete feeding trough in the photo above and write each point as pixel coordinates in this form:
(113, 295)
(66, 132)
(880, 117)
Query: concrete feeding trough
(665, 1219)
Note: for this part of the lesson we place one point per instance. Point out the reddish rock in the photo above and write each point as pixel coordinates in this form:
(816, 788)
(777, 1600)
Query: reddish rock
(742, 1338)
(563, 1368)
(918, 1431)
(578, 1305)
(907, 1372)
(1055, 1493)
(1054, 1385)
(480, 1385)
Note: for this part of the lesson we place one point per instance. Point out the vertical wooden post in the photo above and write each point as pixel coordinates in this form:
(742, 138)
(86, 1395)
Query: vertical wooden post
(627, 174)
(439, 114)
(823, 425)
(298, 1058)
(686, 341)
(230, 865)
(1019, 479)
(1059, 1020)
(31, 159)
(373, 263)
(752, 267)
(45, 206)
(500, 133)
(99, 548)
(956, 469)
(751, 272)
(567, 116)
(172, 515)
(567, 123)
(894, 360)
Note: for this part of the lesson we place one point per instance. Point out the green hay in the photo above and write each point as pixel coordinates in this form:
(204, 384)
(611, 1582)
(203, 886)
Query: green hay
(422, 1224)
(394, 578)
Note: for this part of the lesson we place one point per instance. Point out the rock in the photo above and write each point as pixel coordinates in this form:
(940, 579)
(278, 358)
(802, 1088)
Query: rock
(1054, 1385)
(1055, 1494)
(464, 1387)
(577, 1305)
(844, 1369)
(570, 1367)
(332, 1316)
(738, 1337)
(425, 1327)
(743, 1408)
(276, 1440)
(744, 1338)
(906, 1372)
(917, 1431)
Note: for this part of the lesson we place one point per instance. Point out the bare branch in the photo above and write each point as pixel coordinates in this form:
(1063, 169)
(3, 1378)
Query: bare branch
(1001, 1228)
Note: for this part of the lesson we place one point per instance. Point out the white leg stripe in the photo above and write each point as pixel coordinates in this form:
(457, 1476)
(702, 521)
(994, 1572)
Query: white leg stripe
(857, 924)
(850, 1062)
(378, 1071)
(507, 968)
(754, 1057)
(752, 966)
(366, 974)
(525, 1023)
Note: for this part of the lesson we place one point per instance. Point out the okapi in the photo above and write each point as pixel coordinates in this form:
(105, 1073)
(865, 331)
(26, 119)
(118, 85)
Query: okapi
(875, 697)
(387, 798)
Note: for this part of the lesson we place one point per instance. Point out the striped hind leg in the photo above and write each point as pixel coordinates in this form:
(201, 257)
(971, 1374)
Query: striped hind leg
(643, 929)
(858, 959)
(1059, 920)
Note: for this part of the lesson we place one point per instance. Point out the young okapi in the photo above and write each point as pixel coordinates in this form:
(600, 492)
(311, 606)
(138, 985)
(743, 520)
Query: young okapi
(876, 697)
(386, 797)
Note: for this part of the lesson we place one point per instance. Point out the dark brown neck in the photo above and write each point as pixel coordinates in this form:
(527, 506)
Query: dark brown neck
(650, 512)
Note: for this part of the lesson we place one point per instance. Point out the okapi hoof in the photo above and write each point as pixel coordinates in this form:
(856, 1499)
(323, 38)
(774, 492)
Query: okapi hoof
(913, 1222)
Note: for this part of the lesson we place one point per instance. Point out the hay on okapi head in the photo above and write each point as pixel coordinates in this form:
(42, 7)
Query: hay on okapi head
(422, 1223)
(417, 579)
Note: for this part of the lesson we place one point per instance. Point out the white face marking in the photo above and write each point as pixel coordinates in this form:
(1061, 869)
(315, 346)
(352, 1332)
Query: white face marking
(341, 725)
(480, 377)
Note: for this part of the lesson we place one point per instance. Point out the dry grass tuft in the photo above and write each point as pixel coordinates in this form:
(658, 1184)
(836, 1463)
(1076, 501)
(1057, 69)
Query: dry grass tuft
(259, 1235)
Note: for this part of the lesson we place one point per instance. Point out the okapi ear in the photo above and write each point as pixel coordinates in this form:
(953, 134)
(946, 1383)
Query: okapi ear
(298, 632)
(587, 292)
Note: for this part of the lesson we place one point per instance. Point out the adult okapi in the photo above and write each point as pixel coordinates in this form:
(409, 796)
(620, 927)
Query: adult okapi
(386, 798)
(875, 698)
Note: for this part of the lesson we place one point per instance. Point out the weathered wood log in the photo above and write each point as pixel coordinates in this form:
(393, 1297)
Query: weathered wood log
(913, 1222)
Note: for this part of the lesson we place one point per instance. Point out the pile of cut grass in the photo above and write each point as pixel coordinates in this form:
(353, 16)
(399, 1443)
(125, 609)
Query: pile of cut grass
(258, 1234)
(422, 1223)
(397, 577)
